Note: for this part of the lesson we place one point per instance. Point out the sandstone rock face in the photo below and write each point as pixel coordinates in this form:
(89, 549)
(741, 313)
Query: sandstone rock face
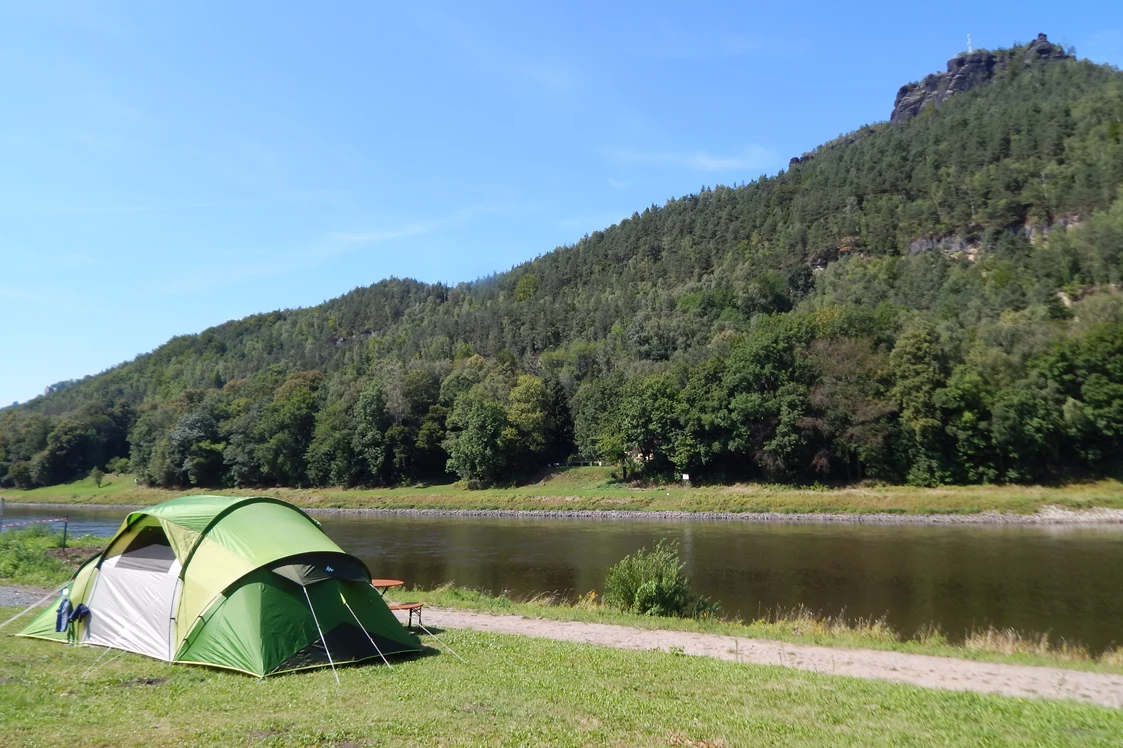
(965, 72)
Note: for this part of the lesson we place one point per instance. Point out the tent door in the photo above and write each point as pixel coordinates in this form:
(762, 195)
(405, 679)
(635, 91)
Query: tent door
(131, 603)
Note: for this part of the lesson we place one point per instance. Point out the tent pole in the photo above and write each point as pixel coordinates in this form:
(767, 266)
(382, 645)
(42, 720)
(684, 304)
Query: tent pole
(376, 649)
(322, 638)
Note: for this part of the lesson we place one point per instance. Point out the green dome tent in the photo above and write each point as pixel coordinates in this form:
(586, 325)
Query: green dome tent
(249, 584)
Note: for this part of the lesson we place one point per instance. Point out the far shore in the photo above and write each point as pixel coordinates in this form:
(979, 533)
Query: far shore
(1047, 516)
(593, 492)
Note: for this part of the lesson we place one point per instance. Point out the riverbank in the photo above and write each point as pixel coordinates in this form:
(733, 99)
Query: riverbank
(797, 628)
(512, 690)
(32, 559)
(1047, 515)
(589, 492)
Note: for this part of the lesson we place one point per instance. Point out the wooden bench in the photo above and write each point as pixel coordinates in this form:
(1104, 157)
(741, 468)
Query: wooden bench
(410, 608)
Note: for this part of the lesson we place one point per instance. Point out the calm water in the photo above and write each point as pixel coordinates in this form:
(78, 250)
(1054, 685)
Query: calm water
(1066, 581)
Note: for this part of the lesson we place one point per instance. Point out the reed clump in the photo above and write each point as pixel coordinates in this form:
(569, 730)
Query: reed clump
(1009, 641)
(804, 622)
(800, 624)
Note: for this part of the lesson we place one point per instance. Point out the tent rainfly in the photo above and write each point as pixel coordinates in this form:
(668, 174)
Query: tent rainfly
(249, 584)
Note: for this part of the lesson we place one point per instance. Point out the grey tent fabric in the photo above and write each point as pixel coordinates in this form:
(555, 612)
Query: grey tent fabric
(312, 568)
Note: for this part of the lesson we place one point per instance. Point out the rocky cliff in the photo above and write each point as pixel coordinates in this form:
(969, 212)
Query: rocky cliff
(966, 71)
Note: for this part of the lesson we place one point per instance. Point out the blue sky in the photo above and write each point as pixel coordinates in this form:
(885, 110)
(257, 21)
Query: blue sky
(170, 166)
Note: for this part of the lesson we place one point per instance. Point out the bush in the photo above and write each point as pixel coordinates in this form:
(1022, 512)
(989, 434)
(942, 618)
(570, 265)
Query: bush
(653, 583)
(118, 465)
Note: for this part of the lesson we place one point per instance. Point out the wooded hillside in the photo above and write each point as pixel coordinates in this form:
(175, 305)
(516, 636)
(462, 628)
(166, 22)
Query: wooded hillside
(932, 301)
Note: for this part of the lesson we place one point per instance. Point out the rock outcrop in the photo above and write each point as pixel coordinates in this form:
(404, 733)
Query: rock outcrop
(966, 71)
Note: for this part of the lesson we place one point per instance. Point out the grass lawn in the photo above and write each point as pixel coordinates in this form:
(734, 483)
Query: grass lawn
(593, 488)
(513, 691)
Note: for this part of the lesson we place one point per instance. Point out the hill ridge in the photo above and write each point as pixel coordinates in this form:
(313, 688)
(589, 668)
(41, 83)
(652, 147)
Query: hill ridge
(767, 292)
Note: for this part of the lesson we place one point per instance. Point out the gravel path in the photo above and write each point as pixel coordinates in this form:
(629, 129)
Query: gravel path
(18, 594)
(1104, 689)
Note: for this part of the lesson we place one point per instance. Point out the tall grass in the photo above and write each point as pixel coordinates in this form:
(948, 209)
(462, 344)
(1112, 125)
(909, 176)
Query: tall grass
(24, 558)
(799, 625)
(33, 556)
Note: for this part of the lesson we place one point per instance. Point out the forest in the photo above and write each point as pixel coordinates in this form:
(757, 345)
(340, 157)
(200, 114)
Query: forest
(936, 301)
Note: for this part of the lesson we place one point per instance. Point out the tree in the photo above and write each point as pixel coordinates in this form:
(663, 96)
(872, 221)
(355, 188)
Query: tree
(918, 367)
(331, 457)
(72, 449)
(97, 476)
(429, 453)
(20, 476)
(286, 429)
(1027, 426)
(526, 435)
(702, 446)
(475, 441)
(767, 387)
(649, 422)
(965, 402)
(851, 397)
(369, 444)
(527, 287)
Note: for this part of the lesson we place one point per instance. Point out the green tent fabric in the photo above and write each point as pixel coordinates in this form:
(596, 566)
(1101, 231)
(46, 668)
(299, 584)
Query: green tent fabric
(246, 583)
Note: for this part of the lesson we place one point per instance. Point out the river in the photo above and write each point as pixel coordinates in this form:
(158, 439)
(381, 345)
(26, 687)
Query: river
(1060, 580)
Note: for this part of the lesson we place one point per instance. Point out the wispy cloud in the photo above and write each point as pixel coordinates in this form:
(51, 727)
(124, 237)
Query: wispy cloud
(76, 259)
(80, 14)
(373, 237)
(7, 293)
(64, 209)
(332, 245)
(751, 158)
(417, 228)
(514, 58)
(493, 56)
(707, 41)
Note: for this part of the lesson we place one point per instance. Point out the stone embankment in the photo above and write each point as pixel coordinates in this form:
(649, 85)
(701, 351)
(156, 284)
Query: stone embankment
(1049, 515)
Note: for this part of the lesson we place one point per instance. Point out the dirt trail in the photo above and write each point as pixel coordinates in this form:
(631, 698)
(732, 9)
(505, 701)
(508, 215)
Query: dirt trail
(1104, 689)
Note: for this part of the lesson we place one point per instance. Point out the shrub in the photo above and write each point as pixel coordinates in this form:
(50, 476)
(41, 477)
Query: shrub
(653, 583)
(118, 465)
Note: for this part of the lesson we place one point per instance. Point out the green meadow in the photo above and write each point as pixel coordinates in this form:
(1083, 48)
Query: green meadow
(512, 691)
(596, 488)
